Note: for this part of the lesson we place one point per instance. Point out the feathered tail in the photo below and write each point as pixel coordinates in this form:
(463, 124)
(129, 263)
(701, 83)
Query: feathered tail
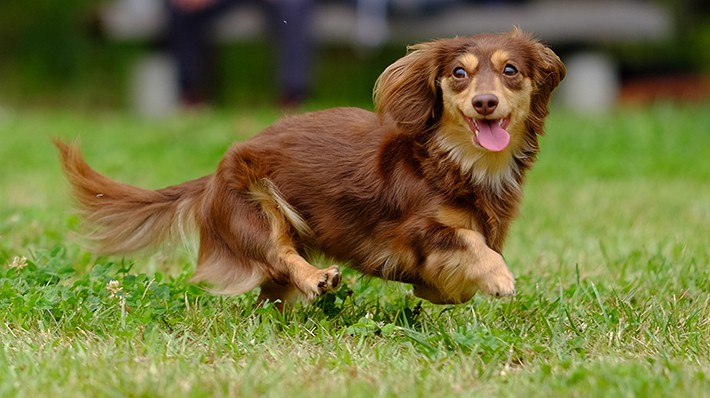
(124, 218)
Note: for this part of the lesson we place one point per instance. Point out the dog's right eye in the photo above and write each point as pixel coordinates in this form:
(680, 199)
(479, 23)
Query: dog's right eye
(460, 73)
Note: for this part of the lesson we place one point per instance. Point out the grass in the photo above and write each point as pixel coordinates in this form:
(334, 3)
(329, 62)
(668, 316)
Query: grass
(610, 251)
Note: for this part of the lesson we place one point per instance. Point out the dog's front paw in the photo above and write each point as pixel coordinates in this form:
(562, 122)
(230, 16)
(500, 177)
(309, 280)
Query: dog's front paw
(498, 284)
(496, 280)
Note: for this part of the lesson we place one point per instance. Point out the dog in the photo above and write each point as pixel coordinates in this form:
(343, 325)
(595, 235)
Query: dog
(420, 191)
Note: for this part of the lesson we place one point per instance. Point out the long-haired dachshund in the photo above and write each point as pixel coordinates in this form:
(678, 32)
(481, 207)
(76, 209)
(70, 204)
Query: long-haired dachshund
(422, 191)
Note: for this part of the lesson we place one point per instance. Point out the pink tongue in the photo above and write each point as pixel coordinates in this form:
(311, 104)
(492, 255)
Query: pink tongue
(492, 136)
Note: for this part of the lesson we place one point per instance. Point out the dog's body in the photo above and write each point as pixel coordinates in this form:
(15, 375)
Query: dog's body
(422, 191)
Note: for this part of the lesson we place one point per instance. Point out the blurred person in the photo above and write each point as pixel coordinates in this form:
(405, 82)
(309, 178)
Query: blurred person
(191, 40)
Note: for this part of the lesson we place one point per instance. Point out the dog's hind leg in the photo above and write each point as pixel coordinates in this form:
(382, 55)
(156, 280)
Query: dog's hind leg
(302, 278)
(290, 275)
(267, 258)
(309, 280)
(287, 225)
(287, 269)
(278, 293)
(226, 270)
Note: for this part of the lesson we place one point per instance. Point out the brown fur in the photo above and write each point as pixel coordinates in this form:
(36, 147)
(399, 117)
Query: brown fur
(404, 194)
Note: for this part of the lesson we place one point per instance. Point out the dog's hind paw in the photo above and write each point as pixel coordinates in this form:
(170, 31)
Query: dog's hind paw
(321, 281)
(330, 280)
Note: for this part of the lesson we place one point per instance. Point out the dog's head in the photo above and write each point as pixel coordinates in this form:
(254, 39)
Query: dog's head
(489, 91)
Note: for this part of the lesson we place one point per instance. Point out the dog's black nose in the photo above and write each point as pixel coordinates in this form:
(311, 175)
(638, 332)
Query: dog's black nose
(485, 104)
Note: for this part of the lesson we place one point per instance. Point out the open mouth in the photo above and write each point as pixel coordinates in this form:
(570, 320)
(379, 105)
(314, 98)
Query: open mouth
(490, 134)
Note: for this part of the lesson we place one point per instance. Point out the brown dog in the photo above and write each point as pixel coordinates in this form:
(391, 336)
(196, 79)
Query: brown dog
(422, 191)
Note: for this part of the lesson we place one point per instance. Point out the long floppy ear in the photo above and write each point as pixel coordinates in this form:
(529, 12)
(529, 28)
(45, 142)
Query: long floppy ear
(552, 70)
(549, 72)
(407, 91)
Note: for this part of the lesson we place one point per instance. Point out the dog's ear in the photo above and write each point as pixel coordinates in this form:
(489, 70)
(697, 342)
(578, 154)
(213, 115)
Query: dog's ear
(551, 68)
(549, 72)
(408, 92)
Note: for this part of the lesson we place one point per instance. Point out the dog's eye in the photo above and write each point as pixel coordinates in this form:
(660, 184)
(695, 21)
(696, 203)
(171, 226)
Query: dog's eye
(510, 70)
(460, 73)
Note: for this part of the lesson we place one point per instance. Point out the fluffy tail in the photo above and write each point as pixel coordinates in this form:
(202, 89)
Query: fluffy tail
(124, 218)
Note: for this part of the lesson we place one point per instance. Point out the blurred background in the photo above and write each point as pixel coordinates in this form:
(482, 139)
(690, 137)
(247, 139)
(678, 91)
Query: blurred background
(156, 57)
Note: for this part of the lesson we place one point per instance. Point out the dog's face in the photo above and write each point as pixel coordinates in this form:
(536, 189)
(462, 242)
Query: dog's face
(486, 97)
(483, 94)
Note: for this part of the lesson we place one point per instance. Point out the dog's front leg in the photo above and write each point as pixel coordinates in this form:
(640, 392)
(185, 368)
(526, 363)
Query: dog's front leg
(455, 275)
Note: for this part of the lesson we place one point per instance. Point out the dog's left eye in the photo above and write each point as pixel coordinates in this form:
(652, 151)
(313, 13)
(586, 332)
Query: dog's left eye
(510, 70)
(460, 73)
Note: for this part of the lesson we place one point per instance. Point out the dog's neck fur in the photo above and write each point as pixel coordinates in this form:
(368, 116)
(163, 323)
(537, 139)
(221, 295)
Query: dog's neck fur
(498, 172)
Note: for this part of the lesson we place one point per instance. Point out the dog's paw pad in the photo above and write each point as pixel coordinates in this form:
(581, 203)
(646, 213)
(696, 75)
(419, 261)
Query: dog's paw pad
(335, 282)
(330, 281)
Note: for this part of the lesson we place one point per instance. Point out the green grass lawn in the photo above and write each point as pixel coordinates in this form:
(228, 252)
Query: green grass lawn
(611, 254)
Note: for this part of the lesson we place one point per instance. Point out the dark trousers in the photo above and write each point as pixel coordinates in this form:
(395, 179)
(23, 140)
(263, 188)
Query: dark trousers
(191, 40)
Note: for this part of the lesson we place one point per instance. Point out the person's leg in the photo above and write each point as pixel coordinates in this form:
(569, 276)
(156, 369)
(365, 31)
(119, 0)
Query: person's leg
(191, 43)
(292, 21)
